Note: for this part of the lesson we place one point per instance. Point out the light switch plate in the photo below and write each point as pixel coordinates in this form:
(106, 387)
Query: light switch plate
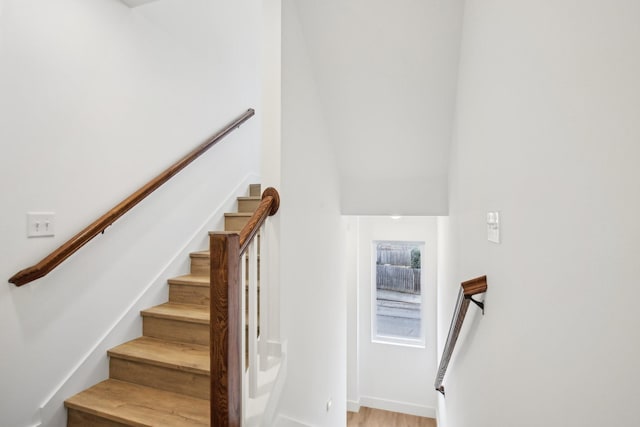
(493, 226)
(41, 224)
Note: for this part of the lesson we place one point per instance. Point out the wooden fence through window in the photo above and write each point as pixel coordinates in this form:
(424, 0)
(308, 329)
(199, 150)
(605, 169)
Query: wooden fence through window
(398, 278)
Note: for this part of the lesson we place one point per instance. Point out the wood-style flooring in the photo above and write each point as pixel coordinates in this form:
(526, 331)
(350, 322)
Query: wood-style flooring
(368, 417)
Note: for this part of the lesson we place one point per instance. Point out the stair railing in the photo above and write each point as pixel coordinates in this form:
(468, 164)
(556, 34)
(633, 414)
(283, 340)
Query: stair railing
(51, 261)
(235, 340)
(465, 296)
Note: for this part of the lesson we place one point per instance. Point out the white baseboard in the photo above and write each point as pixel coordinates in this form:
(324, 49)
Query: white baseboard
(284, 421)
(353, 405)
(93, 366)
(395, 406)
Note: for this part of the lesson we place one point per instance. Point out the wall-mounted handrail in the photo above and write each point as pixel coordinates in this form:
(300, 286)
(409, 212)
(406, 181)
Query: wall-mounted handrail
(226, 251)
(51, 261)
(465, 296)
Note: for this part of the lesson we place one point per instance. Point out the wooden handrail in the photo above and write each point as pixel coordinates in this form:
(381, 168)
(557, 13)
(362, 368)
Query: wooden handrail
(226, 250)
(268, 206)
(47, 264)
(467, 290)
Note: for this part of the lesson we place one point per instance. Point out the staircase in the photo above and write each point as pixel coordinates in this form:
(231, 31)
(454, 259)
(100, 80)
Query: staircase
(162, 378)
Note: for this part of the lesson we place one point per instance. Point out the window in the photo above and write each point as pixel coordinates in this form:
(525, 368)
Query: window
(397, 297)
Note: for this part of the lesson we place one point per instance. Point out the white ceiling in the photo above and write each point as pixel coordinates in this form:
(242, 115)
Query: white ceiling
(387, 74)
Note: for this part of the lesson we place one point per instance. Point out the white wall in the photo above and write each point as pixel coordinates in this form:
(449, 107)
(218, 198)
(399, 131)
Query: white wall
(386, 71)
(353, 314)
(271, 65)
(271, 57)
(394, 377)
(313, 289)
(120, 93)
(547, 133)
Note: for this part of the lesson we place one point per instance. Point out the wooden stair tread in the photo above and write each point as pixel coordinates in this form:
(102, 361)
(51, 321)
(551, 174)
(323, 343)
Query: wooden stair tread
(186, 312)
(238, 214)
(190, 280)
(199, 254)
(250, 198)
(136, 405)
(169, 354)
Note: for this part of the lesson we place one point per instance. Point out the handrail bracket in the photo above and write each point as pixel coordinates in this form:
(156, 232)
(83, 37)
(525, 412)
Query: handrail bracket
(476, 302)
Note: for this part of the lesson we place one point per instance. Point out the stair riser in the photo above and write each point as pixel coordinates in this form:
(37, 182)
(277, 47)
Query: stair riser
(248, 205)
(185, 294)
(255, 190)
(200, 266)
(76, 418)
(174, 380)
(176, 330)
(235, 223)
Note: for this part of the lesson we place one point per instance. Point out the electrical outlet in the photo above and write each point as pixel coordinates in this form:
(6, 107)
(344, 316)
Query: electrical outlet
(41, 224)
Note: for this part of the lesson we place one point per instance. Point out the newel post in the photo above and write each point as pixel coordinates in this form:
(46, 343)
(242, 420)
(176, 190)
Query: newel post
(226, 346)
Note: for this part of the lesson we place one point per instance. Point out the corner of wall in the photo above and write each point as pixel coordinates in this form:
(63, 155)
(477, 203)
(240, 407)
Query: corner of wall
(353, 405)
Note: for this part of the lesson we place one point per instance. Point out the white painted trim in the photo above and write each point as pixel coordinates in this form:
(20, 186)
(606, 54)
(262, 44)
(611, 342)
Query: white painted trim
(395, 406)
(136, 3)
(263, 339)
(52, 411)
(275, 349)
(438, 421)
(353, 405)
(36, 420)
(252, 253)
(284, 421)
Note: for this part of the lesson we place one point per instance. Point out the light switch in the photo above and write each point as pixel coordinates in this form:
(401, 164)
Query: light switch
(493, 227)
(40, 224)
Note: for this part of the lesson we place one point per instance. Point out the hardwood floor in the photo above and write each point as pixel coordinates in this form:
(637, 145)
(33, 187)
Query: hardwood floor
(368, 417)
